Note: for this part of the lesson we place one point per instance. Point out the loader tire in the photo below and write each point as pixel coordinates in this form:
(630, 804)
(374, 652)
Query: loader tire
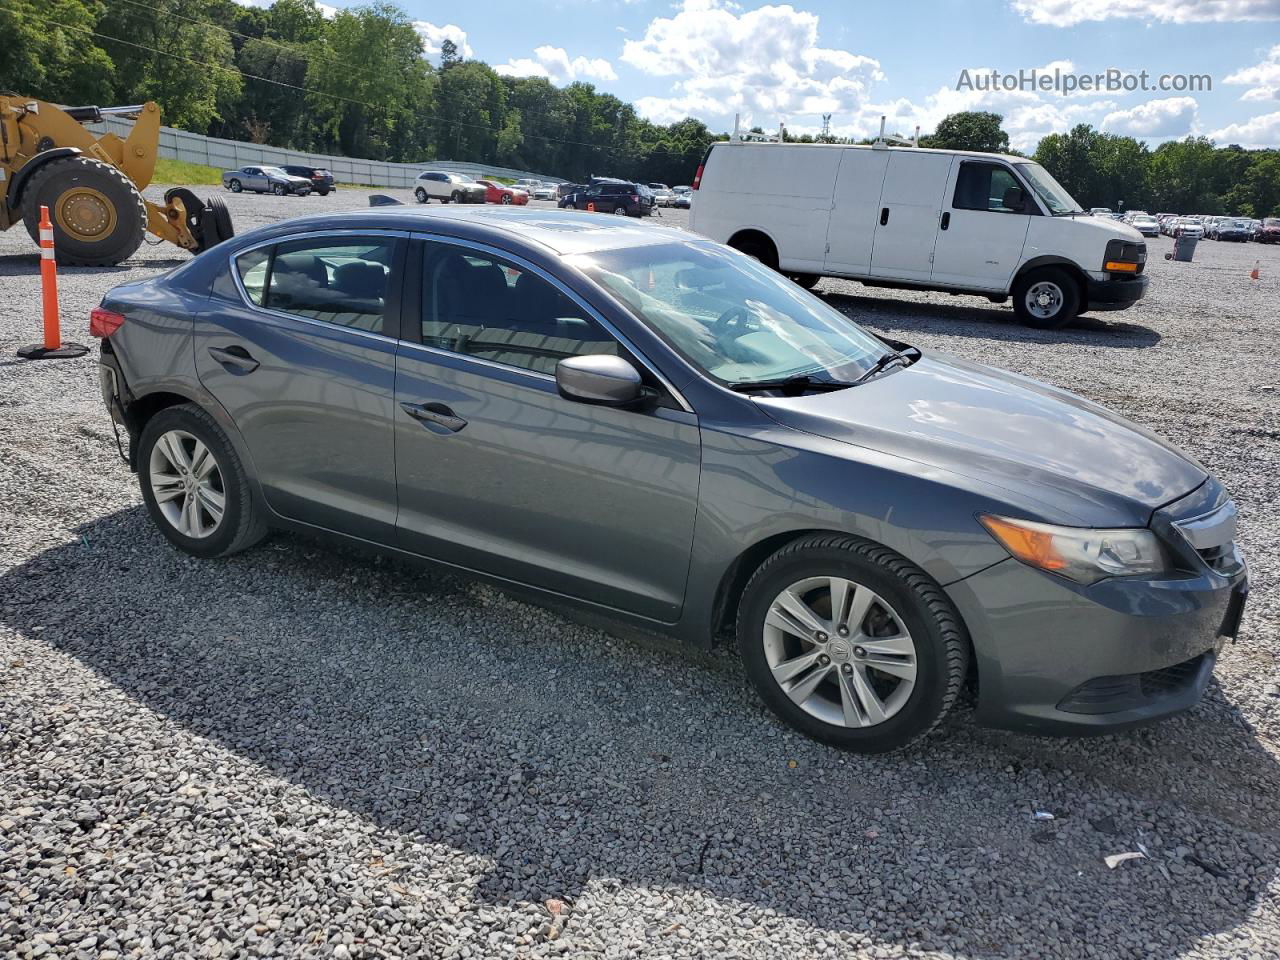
(98, 215)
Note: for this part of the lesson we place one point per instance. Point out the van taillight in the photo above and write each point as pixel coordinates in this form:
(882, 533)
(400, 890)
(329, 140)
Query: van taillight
(697, 177)
(103, 323)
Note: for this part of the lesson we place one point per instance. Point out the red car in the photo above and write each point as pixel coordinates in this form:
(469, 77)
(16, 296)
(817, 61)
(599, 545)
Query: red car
(495, 192)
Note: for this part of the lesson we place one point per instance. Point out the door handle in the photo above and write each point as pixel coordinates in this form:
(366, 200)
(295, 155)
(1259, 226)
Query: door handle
(946, 220)
(434, 413)
(235, 357)
(884, 216)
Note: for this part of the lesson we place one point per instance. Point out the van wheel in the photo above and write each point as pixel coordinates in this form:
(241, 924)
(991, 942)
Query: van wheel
(806, 280)
(851, 643)
(762, 250)
(1048, 299)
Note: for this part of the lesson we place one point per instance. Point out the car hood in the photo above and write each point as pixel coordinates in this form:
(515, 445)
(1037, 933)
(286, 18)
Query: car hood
(1071, 460)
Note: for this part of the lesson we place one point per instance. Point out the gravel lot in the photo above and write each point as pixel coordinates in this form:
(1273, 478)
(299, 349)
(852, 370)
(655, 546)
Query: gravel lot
(308, 752)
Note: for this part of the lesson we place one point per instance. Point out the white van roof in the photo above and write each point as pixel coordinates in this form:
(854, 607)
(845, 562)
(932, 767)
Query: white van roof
(757, 145)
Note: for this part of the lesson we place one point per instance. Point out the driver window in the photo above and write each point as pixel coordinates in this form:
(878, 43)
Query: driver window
(483, 306)
(985, 186)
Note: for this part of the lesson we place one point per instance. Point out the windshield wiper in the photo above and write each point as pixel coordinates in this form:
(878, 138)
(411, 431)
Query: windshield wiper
(905, 357)
(785, 384)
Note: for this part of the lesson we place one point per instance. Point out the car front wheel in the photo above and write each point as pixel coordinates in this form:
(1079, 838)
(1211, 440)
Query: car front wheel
(278, 189)
(194, 485)
(234, 186)
(851, 643)
(1048, 299)
(420, 195)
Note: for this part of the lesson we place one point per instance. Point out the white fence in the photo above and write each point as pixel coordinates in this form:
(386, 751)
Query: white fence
(229, 154)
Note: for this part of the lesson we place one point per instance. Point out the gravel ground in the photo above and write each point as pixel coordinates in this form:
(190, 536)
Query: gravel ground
(308, 752)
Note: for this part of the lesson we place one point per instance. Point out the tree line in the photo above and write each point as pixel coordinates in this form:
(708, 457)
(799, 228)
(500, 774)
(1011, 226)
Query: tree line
(357, 84)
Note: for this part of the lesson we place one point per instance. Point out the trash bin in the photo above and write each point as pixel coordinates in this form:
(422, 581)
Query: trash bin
(1184, 248)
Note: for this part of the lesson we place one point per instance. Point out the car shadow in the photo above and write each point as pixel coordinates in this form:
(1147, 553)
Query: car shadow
(970, 317)
(445, 712)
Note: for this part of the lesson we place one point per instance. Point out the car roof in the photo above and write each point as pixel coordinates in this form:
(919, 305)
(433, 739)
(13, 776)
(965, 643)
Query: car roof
(563, 232)
(751, 145)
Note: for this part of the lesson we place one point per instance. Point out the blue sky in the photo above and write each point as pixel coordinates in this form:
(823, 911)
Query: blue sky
(776, 62)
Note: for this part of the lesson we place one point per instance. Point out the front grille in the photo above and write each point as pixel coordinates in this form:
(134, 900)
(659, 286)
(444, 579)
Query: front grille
(1132, 690)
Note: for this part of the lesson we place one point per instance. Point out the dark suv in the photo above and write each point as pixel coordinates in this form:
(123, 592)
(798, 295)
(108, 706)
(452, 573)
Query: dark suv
(613, 196)
(321, 179)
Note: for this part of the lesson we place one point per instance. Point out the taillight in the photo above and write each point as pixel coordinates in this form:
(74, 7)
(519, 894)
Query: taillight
(697, 177)
(103, 323)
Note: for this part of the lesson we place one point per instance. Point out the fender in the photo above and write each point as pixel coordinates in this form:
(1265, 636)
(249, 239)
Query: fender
(1049, 260)
(24, 173)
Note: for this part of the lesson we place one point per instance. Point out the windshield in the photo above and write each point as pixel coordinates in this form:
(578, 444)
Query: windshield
(460, 178)
(733, 318)
(277, 171)
(1049, 190)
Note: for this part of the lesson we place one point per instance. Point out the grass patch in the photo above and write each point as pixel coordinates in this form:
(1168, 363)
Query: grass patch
(186, 174)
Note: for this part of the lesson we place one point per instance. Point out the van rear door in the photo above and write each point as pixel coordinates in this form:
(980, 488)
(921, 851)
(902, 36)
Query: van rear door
(910, 208)
(854, 208)
(981, 236)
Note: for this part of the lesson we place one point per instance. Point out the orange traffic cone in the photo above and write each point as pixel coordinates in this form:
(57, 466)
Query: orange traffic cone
(591, 206)
(53, 348)
(1256, 273)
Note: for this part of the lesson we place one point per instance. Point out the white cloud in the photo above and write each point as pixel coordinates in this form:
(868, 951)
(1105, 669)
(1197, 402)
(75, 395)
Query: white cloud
(1256, 132)
(326, 11)
(1263, 79)
(433, 36)
(1066, 13)
(1155, 119)
(765, 64)
(554, 64)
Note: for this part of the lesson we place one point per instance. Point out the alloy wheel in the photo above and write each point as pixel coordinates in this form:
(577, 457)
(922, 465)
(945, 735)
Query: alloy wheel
(840, 652)
(1044, 299)
(187, 484)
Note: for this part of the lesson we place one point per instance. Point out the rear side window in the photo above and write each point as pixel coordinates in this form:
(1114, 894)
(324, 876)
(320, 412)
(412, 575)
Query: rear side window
(343, 282)
(486, 307)
(982, 186)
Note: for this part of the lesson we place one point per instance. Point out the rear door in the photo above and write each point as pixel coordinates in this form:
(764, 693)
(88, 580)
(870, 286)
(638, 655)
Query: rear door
(855, 206)
(499, 473)
(910, 208)
(980, 238)
(300, 351)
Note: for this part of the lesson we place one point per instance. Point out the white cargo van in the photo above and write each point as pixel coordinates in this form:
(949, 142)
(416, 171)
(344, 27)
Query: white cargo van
(982, 223)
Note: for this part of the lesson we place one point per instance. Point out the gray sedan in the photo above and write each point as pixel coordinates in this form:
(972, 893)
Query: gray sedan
(659, 429)
(265, 180)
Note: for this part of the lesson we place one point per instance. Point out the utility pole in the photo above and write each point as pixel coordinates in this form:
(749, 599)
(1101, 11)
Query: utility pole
(826, 128)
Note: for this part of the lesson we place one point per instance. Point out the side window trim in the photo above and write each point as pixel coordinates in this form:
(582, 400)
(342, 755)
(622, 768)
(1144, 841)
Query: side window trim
(416, 329)
(393, 316)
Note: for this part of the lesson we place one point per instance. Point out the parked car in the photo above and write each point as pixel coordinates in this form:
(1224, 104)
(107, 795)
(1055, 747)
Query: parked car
(448, 188)
(662, 195)
(496, 192)
(265, 180)
(1187, 227)
(528, 185)
(997, 226)
(321, 179)
(612, 196)
(683, 197)
(650, 425)
(1100, 211)
(1228, 229)
(1146, 225)
(567, 190)
(1268, 230)
(545, 191)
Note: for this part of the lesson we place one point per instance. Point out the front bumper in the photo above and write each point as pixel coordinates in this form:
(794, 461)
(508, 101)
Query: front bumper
(1116, 293)
(1054, 657)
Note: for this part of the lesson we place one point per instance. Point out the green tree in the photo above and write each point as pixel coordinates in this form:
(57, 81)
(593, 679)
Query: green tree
(49, 53)
(971, 130)
(1257, 193)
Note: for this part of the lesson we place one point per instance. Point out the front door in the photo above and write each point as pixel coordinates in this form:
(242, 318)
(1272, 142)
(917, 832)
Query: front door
(307, 372)
(499, 473)
(983, 227)
(910, 208)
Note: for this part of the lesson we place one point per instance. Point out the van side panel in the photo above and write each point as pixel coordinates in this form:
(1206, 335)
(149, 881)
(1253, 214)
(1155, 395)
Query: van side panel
(783, 190)
(911, 205)
(854, 210)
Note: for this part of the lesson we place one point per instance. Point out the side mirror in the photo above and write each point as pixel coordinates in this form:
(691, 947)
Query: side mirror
(600, 379)
(1014, 199)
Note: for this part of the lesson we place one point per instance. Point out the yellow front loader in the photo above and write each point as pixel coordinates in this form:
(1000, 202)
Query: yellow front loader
(92, 185)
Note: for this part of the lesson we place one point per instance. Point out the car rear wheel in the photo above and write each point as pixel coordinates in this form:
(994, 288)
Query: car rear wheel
(234, 186)
(851, 643)
(194, 485)
(323, 191)
(620, 210)
(1048, 299)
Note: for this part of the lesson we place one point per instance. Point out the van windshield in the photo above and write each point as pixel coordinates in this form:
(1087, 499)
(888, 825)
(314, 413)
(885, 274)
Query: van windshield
(730, 316)
(1050, 191)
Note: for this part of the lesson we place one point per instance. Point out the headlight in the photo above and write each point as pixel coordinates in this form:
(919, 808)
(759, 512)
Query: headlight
(1082, 554)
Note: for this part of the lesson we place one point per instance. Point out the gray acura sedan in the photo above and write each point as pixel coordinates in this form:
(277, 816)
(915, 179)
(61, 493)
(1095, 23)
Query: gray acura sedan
(653, 426)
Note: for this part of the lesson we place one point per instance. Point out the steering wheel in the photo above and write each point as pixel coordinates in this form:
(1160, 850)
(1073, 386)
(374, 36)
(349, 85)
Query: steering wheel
(732, 323)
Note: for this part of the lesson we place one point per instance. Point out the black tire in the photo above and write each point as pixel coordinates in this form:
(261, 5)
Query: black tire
(55, 183)
(1060, 287)
(420, 195)
(455, 197)
(323, 191)
(806, 280)
(242, 524)
(760, 249)
(940, 640)
(506, 198)
(278, 189)
(235, 186)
